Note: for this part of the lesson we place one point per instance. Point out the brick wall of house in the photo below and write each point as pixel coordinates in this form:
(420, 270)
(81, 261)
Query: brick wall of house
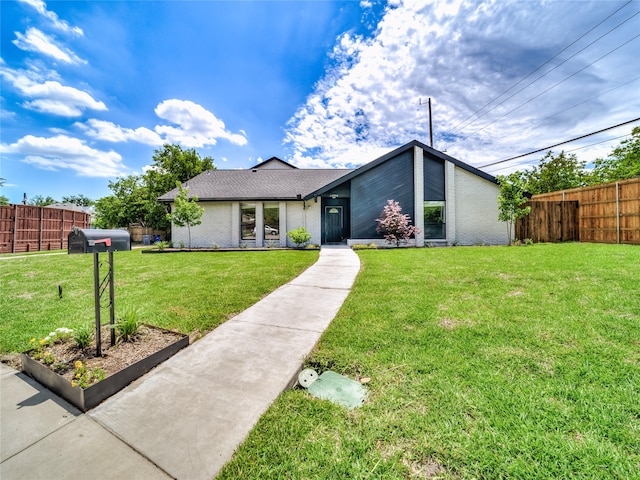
(476, 211)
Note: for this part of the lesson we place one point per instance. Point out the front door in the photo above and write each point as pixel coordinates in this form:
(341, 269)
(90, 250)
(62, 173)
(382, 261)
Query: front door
(333, 223)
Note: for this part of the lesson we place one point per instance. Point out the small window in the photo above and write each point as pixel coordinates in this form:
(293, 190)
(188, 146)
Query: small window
(271, 221)
(248, 221)
(434, 220)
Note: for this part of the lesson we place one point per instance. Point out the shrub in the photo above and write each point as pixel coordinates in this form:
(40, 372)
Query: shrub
(394, 225)
(299, 236)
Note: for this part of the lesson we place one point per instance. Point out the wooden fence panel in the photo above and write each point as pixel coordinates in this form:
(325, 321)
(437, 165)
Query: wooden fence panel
(549, 222)
(609, 213)
(25, 228)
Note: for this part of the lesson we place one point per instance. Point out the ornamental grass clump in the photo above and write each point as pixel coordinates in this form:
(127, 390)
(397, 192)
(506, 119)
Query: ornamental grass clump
(128, 325)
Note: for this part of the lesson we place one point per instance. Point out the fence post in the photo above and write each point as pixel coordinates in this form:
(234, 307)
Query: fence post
(15, 227)
(617, 213)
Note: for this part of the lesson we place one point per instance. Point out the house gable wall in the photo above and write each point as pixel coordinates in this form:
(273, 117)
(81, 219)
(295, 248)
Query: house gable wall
(370, 191)
(476, 211)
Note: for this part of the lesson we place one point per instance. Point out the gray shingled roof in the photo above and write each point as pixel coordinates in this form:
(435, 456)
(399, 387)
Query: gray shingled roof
(257, 184)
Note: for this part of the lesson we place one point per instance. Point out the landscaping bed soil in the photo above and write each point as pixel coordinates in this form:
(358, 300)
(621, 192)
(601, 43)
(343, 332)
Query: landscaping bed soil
(114, 358)
(119, 364)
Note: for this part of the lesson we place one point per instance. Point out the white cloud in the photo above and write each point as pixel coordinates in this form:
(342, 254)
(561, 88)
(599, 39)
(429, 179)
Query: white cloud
(51, 96)
(463, 54)
(41, 7)
(36, 41)
(196, 126)
(63, 152)
(110, 132)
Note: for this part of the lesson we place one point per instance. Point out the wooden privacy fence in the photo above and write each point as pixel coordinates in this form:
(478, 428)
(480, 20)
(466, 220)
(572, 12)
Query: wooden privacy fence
(608, 213)
(550, 222)
(25, 228)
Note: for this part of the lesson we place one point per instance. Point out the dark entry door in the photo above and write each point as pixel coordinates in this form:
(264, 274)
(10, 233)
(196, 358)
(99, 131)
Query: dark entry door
(333, 223)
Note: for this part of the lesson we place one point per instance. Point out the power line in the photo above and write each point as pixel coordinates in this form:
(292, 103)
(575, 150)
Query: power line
(565, 110)
(551, 87)
(558, 144)
(542, 65)
(531, 162)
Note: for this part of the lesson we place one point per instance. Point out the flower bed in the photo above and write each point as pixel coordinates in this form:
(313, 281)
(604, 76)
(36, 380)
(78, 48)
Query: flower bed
(85, 380)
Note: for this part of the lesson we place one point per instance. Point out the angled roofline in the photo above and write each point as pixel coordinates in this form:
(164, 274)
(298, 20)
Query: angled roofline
(414, 143)
(276, 159)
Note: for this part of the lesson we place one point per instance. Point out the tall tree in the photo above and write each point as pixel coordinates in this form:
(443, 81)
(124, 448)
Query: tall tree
(171, 165)
(79, 199)
(555, 172)
(128, 204)
(186, 212)
(134, 198)
(622, 163)
(40, 201)
(3, 200)
(511, 200)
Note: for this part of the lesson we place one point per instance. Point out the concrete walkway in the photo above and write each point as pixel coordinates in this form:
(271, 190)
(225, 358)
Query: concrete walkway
(185, 418)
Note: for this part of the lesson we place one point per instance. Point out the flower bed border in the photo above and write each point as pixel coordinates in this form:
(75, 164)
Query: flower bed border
(88, 398)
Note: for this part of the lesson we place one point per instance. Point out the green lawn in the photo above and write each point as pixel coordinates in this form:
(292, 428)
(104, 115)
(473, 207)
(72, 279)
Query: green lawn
(485, 362)
(190, 292)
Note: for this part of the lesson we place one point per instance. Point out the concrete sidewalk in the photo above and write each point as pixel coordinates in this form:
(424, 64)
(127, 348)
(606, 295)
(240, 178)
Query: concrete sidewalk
(185, 418)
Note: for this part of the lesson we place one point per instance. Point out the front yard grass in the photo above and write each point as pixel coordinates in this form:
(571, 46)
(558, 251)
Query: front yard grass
(485, 362)
(190, 292)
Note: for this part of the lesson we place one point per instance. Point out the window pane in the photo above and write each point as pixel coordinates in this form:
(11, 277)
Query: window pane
(434, 220)
(248, 222)
(271, 221)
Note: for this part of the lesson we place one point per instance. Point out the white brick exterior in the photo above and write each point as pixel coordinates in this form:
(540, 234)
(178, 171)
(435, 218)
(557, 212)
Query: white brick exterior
(476, 211)
(221, 225)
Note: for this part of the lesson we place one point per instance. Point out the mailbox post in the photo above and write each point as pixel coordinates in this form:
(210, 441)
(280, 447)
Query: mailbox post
(96, 241)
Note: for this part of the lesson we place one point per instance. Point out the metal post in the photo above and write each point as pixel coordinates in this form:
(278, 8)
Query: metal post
(96, 290)
(111, 301)
(430, 126)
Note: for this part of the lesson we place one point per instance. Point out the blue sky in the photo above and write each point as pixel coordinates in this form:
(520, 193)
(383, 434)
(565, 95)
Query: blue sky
(89, 89)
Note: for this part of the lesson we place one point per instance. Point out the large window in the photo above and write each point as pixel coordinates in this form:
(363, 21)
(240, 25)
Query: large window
(271, 221)
(434, 220)
(248, 221)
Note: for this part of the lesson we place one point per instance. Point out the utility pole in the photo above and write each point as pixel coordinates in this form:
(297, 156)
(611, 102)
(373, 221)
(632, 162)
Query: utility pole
(430, 122)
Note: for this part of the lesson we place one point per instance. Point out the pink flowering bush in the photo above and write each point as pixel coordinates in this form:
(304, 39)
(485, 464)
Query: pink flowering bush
(394, 225)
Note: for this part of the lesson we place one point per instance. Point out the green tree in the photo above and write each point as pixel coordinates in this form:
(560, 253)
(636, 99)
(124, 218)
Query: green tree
(186, 212)
(555, 172)
(511, 200)
(622, 163)
(128, 204)
(171, 165)
(40, 201)
(3, 200)
(80, 200)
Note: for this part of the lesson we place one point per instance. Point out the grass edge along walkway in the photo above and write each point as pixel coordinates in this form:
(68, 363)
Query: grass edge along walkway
(485, 362)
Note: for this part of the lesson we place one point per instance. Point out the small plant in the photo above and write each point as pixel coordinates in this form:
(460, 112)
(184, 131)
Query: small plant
(58, 335)
(181, 244)
(271, 244)
(299, 236)
(127, 325)
(528, 241)
(243, 245)
(83, 336)
(360, 246)
(215, 246)
(83, 377)
(161, 245)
